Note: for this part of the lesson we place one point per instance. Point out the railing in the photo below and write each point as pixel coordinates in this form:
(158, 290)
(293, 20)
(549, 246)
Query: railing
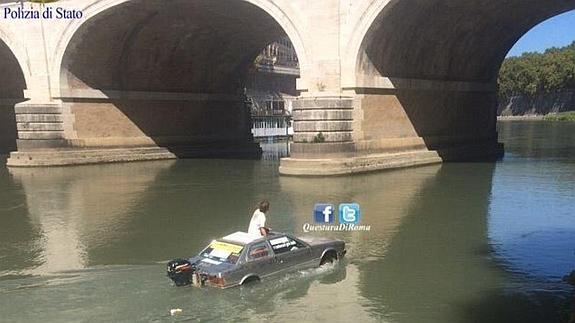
(272, 132)
(272, 126)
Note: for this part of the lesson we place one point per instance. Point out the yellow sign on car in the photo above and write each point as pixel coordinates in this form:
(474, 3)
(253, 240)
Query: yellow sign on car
(224, 246)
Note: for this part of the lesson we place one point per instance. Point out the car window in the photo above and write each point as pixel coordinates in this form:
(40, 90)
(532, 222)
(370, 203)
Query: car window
(284, 244)
(258, 250)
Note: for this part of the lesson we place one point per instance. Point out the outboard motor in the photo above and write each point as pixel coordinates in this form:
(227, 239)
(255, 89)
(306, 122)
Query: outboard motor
(181, 271)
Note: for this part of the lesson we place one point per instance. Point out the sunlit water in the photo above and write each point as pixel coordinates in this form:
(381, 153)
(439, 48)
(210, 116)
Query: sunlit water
(475, 242)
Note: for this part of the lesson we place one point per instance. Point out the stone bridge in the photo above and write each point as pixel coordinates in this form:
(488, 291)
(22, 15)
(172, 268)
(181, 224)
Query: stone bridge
(383, 83)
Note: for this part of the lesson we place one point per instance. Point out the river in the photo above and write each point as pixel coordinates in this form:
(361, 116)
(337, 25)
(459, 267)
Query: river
(460, 242)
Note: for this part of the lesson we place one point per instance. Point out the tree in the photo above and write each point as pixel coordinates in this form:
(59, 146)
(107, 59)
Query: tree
(538, 73)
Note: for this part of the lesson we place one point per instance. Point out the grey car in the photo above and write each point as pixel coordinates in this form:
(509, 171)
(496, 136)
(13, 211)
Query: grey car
(239, 258)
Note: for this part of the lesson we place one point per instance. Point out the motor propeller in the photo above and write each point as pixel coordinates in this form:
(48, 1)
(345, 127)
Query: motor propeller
(181, 272)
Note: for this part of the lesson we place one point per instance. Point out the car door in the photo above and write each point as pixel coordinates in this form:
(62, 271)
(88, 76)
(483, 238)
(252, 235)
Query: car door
(290, 252)
(260, 260)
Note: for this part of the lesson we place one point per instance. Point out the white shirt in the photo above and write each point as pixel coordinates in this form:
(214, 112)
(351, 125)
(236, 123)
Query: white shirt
(258, 221)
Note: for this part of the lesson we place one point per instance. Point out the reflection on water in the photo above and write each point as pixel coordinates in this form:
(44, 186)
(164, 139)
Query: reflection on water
(383, 208)
(81, 207)
(532, 224)
(274, 151)
(439, 256)
(448, 243)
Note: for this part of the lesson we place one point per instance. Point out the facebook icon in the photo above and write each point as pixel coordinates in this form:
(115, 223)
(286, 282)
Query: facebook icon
(323, 213)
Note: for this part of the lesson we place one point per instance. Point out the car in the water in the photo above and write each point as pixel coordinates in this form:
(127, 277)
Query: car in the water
(240, 258)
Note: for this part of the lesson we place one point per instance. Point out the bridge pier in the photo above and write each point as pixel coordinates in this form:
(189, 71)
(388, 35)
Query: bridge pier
(393, 128)
(131, 126)
(40, 125)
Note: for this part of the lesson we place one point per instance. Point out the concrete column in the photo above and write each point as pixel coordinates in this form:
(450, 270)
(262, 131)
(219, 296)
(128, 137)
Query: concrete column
(323, 126)
(40, 125)
(131, 126)
(43, 127)
(391, 128)
(328, 141)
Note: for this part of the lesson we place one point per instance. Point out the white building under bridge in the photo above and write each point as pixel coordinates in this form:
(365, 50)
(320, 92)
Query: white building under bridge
(271, 90)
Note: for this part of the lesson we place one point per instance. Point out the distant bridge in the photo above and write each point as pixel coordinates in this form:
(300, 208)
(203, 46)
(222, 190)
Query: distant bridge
(388, 83)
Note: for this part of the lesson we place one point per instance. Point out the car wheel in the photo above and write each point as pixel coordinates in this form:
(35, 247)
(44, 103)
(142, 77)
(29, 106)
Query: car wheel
(329, 258)
(251, 280)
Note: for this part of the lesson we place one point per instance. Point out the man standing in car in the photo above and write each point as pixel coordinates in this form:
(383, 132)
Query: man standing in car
(258, 222)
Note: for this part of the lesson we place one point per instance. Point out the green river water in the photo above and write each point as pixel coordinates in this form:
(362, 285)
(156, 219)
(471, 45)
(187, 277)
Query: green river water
(460, 242)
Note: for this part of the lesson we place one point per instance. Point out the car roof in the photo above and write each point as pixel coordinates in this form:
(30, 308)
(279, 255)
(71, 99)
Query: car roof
(240, 237)
(243, 238)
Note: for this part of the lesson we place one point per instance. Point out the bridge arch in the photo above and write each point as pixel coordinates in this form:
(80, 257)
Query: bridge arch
(363, 19)
(425, 72)
(19, 54)
(150, 73)
(287, 20)
(444, 40)
(12, 86)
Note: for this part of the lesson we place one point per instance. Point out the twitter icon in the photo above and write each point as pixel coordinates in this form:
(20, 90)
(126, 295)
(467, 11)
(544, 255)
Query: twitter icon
(349, 213)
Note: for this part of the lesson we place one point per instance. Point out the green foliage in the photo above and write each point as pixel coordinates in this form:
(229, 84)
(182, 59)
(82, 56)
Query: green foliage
(319, 138)
(536, 73)
(564, 116)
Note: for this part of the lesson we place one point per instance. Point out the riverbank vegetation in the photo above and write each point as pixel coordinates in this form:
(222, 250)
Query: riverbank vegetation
(564, 116)
(533, 74)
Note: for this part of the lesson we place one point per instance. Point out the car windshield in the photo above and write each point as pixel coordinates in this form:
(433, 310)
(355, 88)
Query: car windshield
(219, 251)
